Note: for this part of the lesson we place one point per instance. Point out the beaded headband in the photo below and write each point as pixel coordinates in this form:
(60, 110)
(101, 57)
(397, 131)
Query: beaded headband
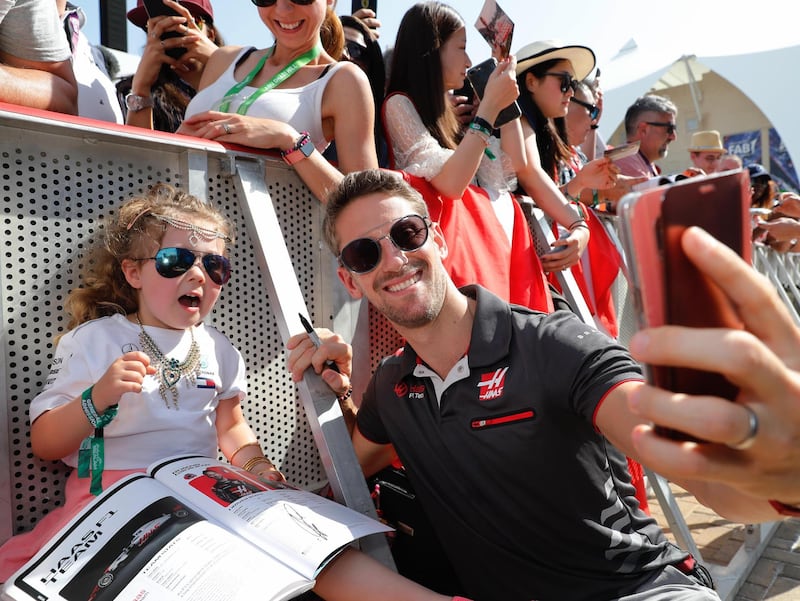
(197, 232)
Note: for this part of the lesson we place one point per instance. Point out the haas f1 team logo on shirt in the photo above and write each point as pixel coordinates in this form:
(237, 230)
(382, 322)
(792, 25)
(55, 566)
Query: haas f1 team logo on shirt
(491, 384)
(414, 391)
(401, 389)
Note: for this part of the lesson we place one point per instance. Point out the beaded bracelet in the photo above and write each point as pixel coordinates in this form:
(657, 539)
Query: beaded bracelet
(484, 131)
(343, 397)
(480, 132)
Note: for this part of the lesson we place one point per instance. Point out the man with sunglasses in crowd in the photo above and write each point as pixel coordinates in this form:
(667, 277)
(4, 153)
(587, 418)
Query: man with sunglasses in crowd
(512, 425)
(650, 120)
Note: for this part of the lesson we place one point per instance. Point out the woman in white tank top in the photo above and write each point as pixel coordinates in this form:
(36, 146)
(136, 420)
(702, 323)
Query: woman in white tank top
(293, 97)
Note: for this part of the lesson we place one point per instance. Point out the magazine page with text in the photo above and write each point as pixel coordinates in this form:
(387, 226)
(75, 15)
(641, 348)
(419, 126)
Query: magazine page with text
(139, 541)
(298, 527)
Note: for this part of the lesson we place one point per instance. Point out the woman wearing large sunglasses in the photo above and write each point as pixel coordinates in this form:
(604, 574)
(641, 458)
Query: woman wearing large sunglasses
(548, 74)
(293, 96)
(551, 74)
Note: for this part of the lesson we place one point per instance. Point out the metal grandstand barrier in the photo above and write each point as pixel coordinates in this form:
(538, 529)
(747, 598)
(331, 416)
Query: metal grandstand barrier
(783, 270)
(61, 177)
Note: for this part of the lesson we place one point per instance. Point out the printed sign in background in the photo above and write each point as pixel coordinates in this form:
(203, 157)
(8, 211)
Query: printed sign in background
(781, 167)
(747, 146)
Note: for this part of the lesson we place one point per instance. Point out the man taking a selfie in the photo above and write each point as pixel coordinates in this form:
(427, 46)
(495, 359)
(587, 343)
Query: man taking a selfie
(513, 425)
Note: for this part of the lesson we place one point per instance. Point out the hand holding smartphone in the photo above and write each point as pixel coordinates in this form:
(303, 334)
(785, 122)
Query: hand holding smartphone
(478, 76)
(357, 5)
(667, 287)
(157, 8)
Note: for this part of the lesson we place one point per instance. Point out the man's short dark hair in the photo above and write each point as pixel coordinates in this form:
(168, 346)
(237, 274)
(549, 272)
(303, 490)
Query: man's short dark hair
(650, 103)
(363, 183)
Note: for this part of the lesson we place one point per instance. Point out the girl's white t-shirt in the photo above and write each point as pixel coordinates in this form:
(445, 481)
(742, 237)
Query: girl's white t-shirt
(147, 427)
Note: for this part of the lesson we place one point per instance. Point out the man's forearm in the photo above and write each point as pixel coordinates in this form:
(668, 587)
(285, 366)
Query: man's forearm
(49, 90)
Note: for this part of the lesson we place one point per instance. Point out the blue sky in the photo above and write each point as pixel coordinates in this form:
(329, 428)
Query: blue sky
(677, 27)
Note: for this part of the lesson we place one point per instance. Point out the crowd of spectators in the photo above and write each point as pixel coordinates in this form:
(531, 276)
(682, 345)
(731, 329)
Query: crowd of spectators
(324, 80)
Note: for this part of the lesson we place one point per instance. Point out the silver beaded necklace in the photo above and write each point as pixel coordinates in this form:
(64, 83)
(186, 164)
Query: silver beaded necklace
(168, 370)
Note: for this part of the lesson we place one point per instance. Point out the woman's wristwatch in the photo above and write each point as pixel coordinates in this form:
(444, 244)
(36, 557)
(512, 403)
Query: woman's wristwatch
(135, 103)
(302, 149)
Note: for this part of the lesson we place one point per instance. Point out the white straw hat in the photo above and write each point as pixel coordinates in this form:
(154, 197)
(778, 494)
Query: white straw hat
(581, 57)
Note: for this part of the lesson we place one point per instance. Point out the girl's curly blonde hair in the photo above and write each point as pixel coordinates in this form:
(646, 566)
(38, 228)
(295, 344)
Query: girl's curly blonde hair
(132, 233)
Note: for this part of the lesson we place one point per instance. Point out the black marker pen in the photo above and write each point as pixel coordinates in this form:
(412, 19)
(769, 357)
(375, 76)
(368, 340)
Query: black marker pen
(317, 342)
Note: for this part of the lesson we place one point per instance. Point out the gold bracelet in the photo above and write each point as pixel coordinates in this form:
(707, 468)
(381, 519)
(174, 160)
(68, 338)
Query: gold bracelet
(244, 446)
(254, 461)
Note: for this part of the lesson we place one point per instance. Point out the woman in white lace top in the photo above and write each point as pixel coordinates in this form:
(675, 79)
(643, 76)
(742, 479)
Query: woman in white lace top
(425, 135)
(488, 237)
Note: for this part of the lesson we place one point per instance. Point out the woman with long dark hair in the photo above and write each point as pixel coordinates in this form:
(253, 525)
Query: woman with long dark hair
(488, 236)
(548, 74)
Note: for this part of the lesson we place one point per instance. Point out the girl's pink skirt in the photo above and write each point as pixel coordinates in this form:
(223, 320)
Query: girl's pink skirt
(17, 550)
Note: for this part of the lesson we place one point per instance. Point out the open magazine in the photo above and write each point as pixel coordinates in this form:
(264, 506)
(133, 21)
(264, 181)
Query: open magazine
(192, 528)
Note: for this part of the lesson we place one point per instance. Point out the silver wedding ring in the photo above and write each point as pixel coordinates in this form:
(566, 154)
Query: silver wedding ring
(226, 128)
(748, 440)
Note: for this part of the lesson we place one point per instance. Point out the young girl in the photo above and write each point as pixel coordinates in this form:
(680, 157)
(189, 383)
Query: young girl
(139, 369)
(137, 363)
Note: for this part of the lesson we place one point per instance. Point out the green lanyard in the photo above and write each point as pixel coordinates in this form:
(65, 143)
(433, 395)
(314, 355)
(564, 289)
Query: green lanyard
(277, 79)
(91, 455)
